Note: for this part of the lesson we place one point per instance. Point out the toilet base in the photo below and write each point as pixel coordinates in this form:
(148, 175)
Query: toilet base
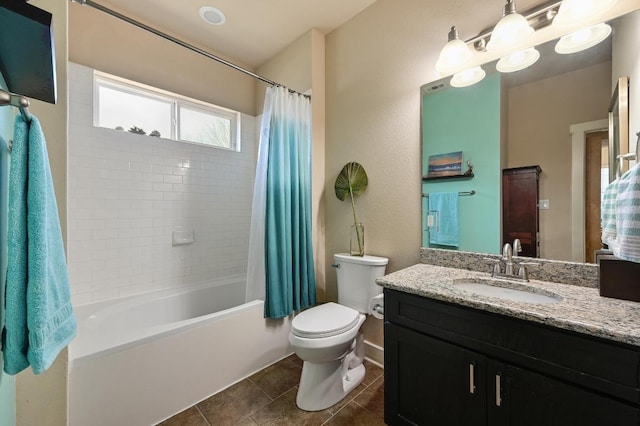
(323, 385)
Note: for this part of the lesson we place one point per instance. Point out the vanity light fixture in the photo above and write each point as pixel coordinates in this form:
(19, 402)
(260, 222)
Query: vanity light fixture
(583, 39)
(468, 77)
(577, 11)
(454, 55)
(511, 34)
(519, 60)
(511, 31)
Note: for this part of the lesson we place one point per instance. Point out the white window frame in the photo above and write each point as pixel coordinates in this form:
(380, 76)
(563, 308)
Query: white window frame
(232, 116)
(177, 101)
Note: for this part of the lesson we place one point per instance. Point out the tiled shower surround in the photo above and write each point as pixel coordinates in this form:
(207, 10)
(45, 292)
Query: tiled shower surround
(128, 193)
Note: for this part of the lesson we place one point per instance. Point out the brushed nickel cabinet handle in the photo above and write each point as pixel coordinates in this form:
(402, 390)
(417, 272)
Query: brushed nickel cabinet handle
(498, 396)
(472, 375)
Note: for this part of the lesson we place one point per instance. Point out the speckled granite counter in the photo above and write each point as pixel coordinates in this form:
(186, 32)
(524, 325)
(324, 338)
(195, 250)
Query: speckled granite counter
(580, 309)
(582, 274)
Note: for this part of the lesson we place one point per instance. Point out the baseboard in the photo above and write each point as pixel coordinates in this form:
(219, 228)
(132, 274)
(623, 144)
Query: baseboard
(374, 353)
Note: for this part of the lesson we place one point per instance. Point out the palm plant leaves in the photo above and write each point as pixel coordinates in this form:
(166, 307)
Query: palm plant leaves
(351, 180)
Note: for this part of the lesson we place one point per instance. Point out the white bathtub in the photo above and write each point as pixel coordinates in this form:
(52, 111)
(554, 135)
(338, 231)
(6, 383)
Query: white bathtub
(138, 361)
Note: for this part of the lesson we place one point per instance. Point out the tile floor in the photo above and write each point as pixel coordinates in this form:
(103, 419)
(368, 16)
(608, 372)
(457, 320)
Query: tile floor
(269, 398)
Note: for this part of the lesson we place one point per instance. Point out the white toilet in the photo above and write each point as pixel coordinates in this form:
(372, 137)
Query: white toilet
(327, 337)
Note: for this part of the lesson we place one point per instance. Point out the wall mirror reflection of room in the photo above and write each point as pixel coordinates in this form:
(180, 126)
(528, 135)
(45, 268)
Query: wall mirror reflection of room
(538, 116)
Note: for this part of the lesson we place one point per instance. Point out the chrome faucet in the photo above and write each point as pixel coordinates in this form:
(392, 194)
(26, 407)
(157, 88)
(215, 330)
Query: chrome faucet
(507, 260)
(517, 247)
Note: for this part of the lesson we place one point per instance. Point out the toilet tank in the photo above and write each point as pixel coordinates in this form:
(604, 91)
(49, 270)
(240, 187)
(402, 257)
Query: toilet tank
(357, 279)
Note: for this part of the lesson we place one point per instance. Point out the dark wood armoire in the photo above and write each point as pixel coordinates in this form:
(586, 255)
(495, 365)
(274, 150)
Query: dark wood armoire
(520, 217)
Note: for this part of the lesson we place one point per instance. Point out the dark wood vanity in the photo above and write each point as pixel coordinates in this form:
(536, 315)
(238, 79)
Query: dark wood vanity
(448, 364)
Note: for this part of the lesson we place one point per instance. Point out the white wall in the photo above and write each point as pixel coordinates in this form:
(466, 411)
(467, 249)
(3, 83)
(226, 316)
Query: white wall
(128, 193)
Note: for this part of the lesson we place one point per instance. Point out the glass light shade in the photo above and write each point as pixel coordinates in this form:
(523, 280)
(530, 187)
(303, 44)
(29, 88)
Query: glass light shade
(467, 77)
(577, 11)
(519, 60)
(583, 39)
(453, 56)
(511, 31)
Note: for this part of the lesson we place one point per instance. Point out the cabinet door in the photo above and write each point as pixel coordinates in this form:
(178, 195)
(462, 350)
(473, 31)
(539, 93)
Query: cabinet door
(520, 208)
(521, 398)
(431, 382)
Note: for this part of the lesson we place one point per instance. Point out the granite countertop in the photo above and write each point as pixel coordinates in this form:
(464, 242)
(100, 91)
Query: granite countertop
(581, 309)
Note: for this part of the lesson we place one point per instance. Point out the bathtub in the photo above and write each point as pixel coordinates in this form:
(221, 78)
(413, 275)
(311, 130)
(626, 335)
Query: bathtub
(140, 360)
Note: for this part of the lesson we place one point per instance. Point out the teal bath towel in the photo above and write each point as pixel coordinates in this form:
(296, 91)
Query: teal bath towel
(4, 191)
(443, 209)
(39, 320)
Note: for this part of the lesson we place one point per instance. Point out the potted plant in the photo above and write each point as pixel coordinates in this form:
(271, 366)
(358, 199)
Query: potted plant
(353, 180)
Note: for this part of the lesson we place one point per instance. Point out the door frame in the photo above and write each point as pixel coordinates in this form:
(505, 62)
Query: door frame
(578, 141)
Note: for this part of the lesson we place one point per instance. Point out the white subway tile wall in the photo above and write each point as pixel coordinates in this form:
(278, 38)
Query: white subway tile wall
(128, 193)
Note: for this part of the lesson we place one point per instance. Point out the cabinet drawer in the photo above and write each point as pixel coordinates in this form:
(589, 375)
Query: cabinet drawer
(604, 366)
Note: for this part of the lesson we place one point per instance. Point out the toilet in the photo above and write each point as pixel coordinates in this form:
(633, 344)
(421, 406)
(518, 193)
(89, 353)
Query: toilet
(327, 337)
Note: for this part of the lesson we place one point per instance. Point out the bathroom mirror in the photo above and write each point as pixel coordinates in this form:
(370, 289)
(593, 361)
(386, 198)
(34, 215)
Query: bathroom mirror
(538, 116)
(618, 126)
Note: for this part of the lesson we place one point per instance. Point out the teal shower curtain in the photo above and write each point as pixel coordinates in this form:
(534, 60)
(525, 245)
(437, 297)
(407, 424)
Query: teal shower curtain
(288, 252)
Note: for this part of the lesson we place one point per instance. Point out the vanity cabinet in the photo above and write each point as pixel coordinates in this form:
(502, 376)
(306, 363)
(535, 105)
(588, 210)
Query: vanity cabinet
(446, 364)
(528, 398)
(428, 381)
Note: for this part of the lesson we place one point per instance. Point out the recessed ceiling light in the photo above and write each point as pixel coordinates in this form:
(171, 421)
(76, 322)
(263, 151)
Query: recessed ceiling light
(212, 15)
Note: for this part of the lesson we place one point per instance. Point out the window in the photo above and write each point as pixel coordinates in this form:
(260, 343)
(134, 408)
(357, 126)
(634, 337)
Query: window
(125, 105)
(200, 126)
(121, 107)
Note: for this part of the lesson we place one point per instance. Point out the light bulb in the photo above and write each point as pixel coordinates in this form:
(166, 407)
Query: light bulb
(519, 60)
(467, 77)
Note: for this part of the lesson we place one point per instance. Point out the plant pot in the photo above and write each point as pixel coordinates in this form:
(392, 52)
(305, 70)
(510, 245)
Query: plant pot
(356, 243)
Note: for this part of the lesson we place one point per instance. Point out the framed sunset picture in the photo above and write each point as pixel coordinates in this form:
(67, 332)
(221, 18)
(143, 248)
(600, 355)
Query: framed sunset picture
(449, 164)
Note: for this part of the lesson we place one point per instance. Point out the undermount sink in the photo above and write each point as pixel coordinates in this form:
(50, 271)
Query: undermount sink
(506, 290)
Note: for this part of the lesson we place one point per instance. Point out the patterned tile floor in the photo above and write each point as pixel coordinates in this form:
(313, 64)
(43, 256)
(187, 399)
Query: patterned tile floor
(269, 398)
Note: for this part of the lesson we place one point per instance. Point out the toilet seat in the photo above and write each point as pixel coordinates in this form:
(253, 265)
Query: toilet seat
(329, 319)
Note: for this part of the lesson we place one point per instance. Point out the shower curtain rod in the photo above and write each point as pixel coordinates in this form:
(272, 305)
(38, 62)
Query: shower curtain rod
(182, 43)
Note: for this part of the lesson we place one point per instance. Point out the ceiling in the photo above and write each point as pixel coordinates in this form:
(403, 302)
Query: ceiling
(255, 30)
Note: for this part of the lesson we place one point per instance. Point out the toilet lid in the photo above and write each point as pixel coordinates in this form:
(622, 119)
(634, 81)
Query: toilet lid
(325, 320)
